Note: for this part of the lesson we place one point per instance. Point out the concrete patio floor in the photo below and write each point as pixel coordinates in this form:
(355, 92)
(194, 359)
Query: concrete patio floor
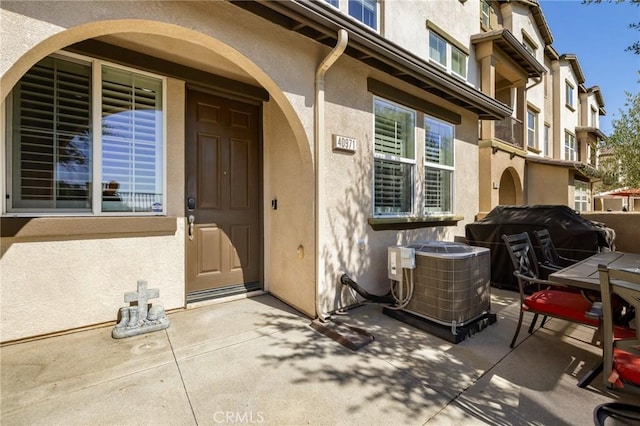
(257, 361)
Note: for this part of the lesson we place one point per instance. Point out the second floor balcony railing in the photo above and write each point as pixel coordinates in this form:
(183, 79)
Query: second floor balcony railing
(510, 130)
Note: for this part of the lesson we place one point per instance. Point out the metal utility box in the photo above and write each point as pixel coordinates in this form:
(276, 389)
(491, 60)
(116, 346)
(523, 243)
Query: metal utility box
(399, 258)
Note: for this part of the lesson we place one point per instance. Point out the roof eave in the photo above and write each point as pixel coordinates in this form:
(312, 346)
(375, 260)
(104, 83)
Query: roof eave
(507, 42)
(575, 66)
(593, 130)
(321, 23)
(541, 22)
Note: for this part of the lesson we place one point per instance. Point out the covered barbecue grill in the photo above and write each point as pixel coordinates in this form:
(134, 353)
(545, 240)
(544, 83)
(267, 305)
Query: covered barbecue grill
(573, 235)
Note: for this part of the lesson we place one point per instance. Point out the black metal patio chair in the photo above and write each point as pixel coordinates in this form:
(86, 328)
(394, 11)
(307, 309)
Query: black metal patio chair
(539, 296)
(550, 257)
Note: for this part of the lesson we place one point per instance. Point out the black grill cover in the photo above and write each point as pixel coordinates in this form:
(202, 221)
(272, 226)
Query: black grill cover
(573, 236)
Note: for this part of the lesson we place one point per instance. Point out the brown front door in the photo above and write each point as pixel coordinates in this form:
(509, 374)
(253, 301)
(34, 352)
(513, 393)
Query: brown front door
(224, 238)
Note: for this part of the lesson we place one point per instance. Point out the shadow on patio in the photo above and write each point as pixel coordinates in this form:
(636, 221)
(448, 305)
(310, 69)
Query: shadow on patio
(259, 361)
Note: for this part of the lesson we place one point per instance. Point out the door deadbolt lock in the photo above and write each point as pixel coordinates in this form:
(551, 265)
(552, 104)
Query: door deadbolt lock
(191, 204)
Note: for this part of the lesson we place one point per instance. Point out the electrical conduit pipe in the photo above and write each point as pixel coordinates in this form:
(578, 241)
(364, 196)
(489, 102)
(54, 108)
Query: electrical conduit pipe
(319, 154)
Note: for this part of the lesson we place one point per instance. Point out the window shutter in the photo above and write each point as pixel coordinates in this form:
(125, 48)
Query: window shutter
(393, 142)
(390, 136)
(439, 166)
(51, 134)
(131, 139)
(432, 147)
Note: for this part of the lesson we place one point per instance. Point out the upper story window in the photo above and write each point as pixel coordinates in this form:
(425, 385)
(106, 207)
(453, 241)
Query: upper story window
(85, 137)
(394, 158)
(531, 128)
(570, 147)
(438, 166)
(365, 11)
(528, 43)
(485, 14)
(458, 62)
(447, 54)
(334, 3)
(437, 49)
(528, 47)
(594, 117)
(569, 94)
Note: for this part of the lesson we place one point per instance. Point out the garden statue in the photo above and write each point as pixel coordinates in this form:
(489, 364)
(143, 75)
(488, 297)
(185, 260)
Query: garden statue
(139, 318)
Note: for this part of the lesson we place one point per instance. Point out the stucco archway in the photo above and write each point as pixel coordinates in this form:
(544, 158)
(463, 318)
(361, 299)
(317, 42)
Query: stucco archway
(510, 188)
(112, 28)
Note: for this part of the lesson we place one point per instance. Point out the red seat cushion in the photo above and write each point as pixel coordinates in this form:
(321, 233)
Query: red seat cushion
(620, 332)
(564, 304)
(627, 365)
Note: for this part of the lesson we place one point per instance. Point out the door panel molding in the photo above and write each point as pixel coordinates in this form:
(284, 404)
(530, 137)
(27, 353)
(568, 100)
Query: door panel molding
(223, 174)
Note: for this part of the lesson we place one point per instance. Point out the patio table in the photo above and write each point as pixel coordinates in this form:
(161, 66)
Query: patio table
(584, 274)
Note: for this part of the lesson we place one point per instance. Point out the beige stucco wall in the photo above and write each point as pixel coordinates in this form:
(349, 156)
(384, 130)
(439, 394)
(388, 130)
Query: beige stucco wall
(547, 184)
(49, 286)
(626, 225)
(498, 166)
(288, 178)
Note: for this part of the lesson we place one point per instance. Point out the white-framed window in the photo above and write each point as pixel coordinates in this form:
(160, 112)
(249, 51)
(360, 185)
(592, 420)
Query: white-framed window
(485, 14)
(570, 147)
(438, 166)
(569, 94)
(365, 11)
(547, 131)
(594, 117)
(334, 3)
(437, 49)
(528, 43)
(394, 158)
(531, 128)
(528, 46)
(447, 55)
(397, 175)
(458, 62)
(86, 137)
(581, 196)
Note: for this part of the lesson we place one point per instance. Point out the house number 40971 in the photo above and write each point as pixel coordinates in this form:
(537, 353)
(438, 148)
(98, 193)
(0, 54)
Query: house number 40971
(343, 143)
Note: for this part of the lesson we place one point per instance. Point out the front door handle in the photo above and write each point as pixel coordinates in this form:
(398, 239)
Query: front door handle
(191, 220)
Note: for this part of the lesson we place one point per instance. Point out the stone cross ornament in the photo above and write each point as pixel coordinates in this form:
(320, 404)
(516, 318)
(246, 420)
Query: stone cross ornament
(139, 318)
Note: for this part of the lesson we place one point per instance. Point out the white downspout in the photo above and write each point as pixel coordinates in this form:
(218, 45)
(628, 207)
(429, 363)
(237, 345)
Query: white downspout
(319, 139)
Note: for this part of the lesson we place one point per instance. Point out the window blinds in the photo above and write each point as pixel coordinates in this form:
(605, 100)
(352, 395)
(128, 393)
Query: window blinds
(394, 142)
(131, 135)
(52, 136)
